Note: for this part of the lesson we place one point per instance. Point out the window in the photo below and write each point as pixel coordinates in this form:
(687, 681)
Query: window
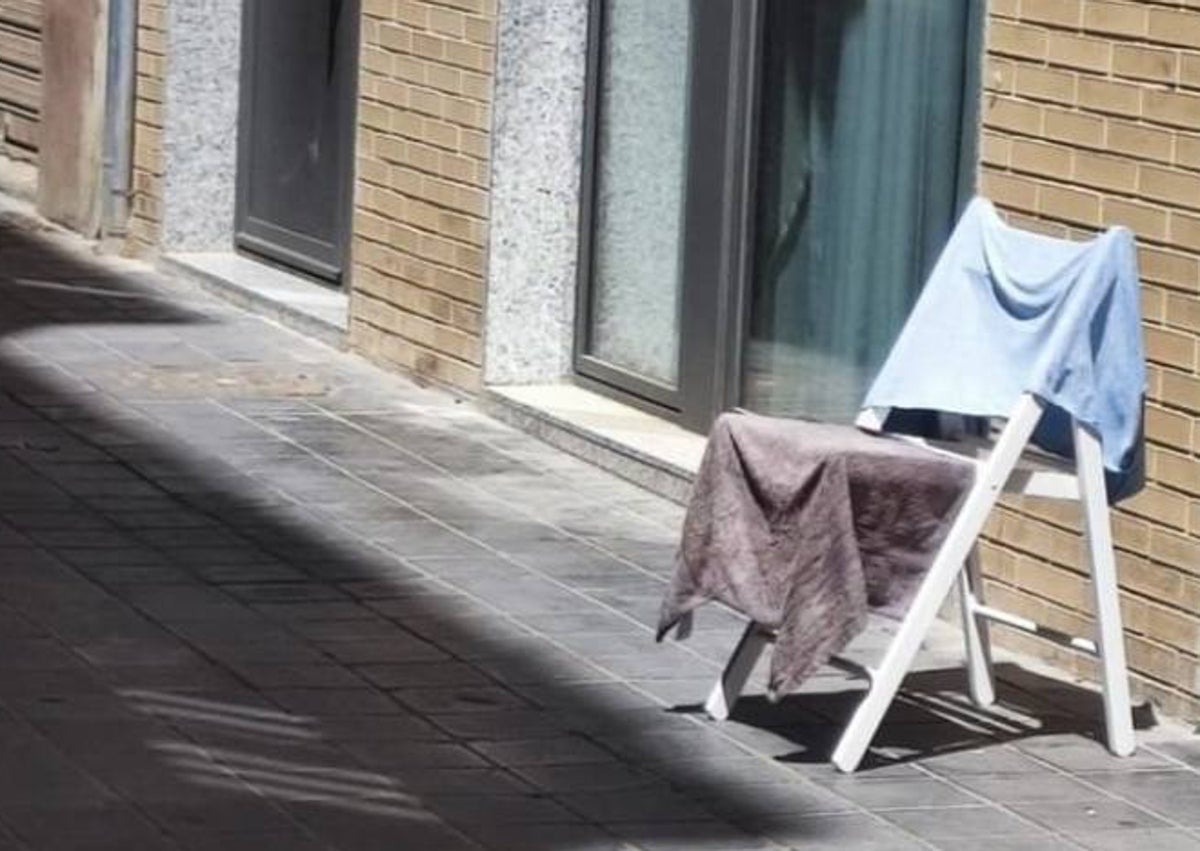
(859, 143)
(767, 184)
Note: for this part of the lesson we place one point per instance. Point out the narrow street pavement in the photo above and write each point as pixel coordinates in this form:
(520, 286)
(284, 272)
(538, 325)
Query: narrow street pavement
(257, 594)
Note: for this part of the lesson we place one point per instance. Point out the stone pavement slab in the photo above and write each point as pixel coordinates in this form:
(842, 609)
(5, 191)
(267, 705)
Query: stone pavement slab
(255, 593)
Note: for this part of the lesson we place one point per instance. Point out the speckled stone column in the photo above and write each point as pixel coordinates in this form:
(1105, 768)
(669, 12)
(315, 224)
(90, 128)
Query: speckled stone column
(536, 156)
(200, 124)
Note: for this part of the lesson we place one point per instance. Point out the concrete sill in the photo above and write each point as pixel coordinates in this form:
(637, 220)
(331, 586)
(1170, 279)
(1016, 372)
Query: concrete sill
(291, 300)
(651, 452)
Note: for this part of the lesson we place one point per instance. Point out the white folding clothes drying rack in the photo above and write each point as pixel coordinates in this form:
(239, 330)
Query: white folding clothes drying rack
(999, 468)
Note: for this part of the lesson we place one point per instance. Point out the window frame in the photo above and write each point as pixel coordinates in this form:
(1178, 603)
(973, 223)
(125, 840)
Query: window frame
(718, 237)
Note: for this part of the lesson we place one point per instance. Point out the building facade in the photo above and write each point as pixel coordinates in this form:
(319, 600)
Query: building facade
(693, 205)
(20, 77)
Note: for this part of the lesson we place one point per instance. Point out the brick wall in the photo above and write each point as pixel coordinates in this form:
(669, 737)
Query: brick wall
(145, 219)
(20, 77)
(1092, 117)
(420, 221)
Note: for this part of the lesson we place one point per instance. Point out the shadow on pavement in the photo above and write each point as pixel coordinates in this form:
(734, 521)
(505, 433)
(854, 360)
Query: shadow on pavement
(190, 657)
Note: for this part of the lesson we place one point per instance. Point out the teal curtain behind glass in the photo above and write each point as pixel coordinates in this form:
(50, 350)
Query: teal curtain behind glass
(859, 140)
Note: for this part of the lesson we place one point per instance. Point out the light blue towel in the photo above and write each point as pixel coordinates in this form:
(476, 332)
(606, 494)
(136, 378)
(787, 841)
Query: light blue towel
(1005, 312)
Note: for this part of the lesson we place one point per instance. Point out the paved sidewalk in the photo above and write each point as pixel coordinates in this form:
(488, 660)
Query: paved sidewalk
(257, 594)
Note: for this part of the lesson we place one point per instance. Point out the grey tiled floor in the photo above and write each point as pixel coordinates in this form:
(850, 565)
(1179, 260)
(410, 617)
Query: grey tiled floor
(257, 594)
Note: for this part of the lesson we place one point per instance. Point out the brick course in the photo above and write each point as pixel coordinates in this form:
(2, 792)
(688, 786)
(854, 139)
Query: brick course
(145, 220)
(1091, 117)
(421, 204)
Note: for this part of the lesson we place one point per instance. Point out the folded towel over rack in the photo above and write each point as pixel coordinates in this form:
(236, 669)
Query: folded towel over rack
(1007, 312)
(802, 527)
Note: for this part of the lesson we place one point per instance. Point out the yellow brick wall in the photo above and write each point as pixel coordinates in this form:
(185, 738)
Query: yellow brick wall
(421, 200)
(145, 211)
(1091, 117)
(20, 77)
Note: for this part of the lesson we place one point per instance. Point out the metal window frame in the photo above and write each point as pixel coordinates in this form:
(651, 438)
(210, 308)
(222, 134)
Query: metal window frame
(711, 246)
(718, 233)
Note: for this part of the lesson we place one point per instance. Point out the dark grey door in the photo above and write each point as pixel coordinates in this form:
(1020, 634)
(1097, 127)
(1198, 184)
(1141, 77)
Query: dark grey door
(295, 148)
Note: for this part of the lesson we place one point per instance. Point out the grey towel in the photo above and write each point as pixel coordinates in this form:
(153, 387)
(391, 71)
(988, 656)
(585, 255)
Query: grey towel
(802, 526)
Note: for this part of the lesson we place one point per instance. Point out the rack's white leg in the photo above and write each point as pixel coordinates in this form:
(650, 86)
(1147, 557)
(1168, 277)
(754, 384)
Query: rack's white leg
(737, 670)
(975, 633)
(1110, 637)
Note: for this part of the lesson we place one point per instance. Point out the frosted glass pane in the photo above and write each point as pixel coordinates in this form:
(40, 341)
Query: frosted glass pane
(640, 181)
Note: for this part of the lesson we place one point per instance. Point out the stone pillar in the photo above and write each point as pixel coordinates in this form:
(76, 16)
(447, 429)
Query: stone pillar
(200, 127)
(537, 153)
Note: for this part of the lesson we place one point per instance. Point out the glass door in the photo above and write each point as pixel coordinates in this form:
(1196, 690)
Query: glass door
(767, 184)
(657, 206)
(861, 150)
(640, 185)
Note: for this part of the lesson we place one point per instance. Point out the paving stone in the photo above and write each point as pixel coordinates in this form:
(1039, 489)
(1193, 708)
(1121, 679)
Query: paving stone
(1174, 795)
(368, 827)
(466, 698)
(986, 761)
(844, 831)
(1025, 788)
(380, 728)
(423, 674)
(397, 649)
(595, 623)
(691, 836)
(48, 685)
(293, 840)
(488, 809)
(1008, 843)
(234, 618)
(1142, 840)
(1096, 814)
(37, 654)
(606, 776)
(400, 753)
(433, 781)
(316, 702)
(1186, 750)
(962, 822)
(113, 826)
(1075, 753)
(897, 793)
(292, 613)
(220, 817)
(639, 804)
(544, 837)
(746, 804)
(562, 751)
(298, 676)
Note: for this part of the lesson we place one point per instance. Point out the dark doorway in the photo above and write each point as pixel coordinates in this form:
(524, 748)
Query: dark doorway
(296, 145)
